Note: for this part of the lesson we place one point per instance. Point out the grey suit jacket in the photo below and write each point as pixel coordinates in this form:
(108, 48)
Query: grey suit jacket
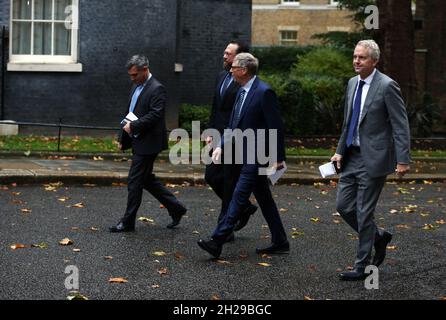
(384, 133)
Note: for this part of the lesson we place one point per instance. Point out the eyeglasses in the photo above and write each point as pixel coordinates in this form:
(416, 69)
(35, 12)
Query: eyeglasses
(237, 67)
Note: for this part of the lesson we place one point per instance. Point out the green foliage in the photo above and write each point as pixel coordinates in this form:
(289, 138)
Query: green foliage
(422, 116)
(340, 39)
(324, 72)
(279, 58)
(189, 113)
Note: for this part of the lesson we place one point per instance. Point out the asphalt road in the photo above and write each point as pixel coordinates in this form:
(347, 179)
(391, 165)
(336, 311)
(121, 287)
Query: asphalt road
(321, 246)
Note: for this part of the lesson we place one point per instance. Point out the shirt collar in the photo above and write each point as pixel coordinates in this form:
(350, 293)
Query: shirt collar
(248, 85)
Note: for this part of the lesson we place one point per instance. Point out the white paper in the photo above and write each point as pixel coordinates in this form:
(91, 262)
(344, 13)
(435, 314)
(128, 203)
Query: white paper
(274, 174)
(130, 117)
(327, 169)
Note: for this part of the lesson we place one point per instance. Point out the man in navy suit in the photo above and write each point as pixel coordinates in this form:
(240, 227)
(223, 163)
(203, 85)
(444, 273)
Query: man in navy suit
(147, 137)
(255, 108)
(222, 177)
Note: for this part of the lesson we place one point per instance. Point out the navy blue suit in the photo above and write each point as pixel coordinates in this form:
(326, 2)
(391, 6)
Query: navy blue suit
(260, 111)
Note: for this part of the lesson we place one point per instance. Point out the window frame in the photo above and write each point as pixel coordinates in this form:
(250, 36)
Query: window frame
(287, 42)
(39, 62)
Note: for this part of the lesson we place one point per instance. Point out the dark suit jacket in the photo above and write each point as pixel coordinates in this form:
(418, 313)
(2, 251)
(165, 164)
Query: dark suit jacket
(222, 106)
(260, 111)
(383, 127)
(150, 127)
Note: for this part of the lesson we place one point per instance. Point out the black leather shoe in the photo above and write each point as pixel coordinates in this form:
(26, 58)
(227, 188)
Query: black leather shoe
(121, 227)
(231, 237)
(212, 247)
(176, 218)
(244, 217)
(380, 248)
(354, 275)
(283, 247)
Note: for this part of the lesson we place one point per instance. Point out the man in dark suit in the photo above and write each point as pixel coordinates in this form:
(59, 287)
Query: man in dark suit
(222, 177)
(374, 142)
(147, 137)
(255, 108)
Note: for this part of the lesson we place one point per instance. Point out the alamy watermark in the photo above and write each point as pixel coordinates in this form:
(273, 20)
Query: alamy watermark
(372, 20)
(372, 280)
(72, 281)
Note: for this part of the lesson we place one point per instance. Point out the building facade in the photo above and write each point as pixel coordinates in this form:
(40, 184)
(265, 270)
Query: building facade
(294, 22)
(65, 59)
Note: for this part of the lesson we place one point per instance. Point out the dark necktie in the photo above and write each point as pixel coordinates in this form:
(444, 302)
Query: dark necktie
(225, 84)
(355, 115)
(238, 108)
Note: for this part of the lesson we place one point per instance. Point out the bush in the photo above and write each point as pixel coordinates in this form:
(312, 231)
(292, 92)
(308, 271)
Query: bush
(279, 59)
(189, 113)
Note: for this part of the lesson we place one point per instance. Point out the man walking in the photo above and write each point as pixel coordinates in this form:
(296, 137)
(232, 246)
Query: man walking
(147, 137)
(374, 142)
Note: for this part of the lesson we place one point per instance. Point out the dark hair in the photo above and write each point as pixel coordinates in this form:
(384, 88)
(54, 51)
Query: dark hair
(241, 46)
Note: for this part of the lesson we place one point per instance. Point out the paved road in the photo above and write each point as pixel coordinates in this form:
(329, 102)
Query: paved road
(322, 246)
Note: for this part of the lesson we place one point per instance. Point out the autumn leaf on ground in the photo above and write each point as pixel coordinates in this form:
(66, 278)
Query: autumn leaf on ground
(427, 181)
(108, 257)
(89, 185)
(18, 246)
(410, 208)
(94, 229)
(336, 221)
(41, 245)
(315, 219)
(336, 214)
(63, 199)
(117, 280)
(402, 226)
(283, 210)
(155, 286)
(162, 271)
(403, 191)
(265, 256)
(76, 250)
(74, 295)
(391, 247)
(223, 262)
(393, 211)
(159, 253)
(428, 226)
(26, 210)
(65, 242)
(15, 193)
(98, 158)
(146, 219)
(179, 256)
(439, 221)
(118, 184)
(215, 297)
(195, 232)
(308, 298)
(296, 234)
(263, 264)
(77, 205)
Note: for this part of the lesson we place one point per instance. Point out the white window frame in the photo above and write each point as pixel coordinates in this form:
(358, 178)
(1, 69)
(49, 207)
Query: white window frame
(283, 42)
(290, 3)
(53, 63)
(334, 3)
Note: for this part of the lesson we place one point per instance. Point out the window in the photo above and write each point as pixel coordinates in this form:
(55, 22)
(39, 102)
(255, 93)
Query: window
(290, 1)
(288, 37)
(333, 2)
(43, 32)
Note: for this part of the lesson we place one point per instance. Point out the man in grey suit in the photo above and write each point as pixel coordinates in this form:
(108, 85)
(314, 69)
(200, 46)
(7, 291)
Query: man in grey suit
(147, 136)
(375, 141)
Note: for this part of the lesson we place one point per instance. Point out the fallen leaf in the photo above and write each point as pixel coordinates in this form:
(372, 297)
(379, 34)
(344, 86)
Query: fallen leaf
(108, 257)
(94, 229)
(15, 193)
(63, 199)
(155, 286)
(162, 271)
(222, 262)
(179, 256)
(428, 226)
(76, 250)
(18, 246)
(263, 264)
(195, 232)
(403, 226)
(65, 242)
(77, 205)
(427, 181)
(146, 219)
(215, 297)
(393, 211)
(18, 202)
(74, 295)
(117, 280)
(336, 214)
(26, 210)
(439, 221)
(283, 210)
(41, 245)
(337, 221)
(89, 185)
(265, 256)
(391, 247)
(159, 253)
(98, 158)
(315, 219)
(308, 298)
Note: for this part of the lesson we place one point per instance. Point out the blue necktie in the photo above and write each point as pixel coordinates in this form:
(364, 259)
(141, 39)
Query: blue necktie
(225, 84)
(238, 108)
(135, 96)
(355, 115)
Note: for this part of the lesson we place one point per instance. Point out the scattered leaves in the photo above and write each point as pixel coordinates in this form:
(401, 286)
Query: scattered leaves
(74, 295)
(18, 246)
(162, 271)
(308, 298)
(26, 210)
(263, 264)
(41, 245)
(98, 158)
(215, 297)
(315, 219)
(146, 219)
(159, 253)
(77, 205)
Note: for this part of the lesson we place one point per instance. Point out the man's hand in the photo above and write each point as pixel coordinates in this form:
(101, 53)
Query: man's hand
(127, 128)
(216, 155)
(278, 165)
(120, 145)
(402, 169)
(338, 159)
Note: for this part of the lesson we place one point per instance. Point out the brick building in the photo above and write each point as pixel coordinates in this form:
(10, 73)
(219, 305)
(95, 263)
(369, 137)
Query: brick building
(54, 70)
(293, 22)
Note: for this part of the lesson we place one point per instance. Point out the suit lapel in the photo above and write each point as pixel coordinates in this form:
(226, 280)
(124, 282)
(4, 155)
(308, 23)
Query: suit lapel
(146, 87)
(374, 85)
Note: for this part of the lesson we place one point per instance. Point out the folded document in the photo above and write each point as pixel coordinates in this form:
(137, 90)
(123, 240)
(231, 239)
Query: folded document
(327, 169)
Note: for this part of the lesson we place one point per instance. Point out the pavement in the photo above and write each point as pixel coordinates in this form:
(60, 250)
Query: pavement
(104, 169)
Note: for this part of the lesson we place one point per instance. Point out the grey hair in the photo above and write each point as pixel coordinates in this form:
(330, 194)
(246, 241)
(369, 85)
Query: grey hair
(248, 61)
(139, 61)
(373, 48)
